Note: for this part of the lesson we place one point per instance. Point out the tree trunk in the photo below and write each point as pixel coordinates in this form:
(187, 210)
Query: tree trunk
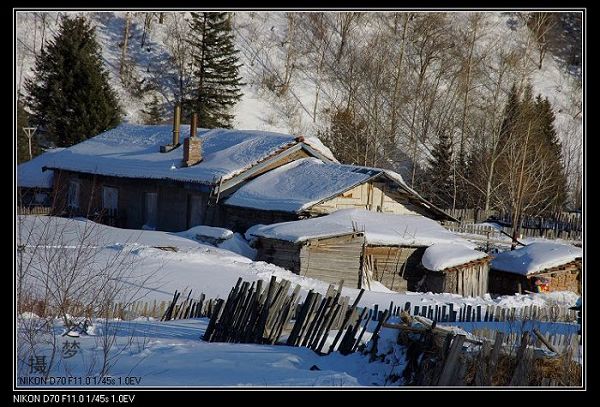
(518, 208)
(124, 49)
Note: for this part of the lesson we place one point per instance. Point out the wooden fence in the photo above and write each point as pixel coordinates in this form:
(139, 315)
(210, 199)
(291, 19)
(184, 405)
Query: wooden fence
(440, 357)
(34, 210)
(494, 236)
(252, 314)
(564, 225)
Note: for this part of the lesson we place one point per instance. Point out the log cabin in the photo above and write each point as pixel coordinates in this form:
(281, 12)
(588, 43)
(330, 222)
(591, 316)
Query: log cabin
(140, 176)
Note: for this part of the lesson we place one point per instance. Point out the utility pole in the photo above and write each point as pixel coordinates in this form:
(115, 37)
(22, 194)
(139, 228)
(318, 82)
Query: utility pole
(29, 131)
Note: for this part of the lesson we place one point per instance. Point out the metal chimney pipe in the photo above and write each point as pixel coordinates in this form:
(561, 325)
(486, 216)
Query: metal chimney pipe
(176, 123)
(194, 125)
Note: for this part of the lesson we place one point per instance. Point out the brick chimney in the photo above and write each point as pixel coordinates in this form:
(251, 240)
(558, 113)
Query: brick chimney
(192, 146)
(176, 122)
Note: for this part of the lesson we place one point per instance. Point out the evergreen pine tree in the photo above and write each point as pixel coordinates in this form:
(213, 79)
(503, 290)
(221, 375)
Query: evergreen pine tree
(440, 172)
(510, 116)
(549, 138)
(153, 111)
(216, 70)
(69, 96)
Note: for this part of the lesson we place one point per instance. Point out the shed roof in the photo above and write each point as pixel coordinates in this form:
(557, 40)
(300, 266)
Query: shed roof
(132, 151)
(379, 229)
(535, 257)
(441, 256)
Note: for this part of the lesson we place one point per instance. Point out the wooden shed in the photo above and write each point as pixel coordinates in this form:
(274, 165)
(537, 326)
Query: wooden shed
(453, 268)
(538, 267)
(357, 245)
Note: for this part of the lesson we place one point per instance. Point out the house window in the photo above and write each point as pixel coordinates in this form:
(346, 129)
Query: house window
(196, 210)
(150, 209)
(73, 195)
(110, 199)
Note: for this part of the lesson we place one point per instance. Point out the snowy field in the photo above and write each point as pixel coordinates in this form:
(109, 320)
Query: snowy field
(147, 352)
(154, 353)
(211, 270)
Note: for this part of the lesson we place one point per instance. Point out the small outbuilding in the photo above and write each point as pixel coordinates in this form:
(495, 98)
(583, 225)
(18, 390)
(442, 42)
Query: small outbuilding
(356, 245)
(454, 268)
(537, 267)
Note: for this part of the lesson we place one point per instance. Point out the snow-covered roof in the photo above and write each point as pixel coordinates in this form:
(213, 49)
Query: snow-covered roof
(535, 257)
(441, 256)
(299, 185)
(378, 228)
(133, 151)
(30, 174)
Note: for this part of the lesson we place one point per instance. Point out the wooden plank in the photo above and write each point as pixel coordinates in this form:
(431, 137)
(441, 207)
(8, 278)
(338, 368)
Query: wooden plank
(451, 360)
(346, 320)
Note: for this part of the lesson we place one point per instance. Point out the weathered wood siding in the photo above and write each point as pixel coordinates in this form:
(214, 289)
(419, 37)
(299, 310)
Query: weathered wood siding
(393, 265)
(375, 195)
(279, 252)
(172, 206)
(329, 259)
(562, 278)
(333, 259)
(468, 280)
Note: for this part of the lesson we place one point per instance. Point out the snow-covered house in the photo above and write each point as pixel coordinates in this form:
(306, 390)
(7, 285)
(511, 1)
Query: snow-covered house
(537, 267)
(454, 268)
(356, 245)
(138, 175)
(34, 185)
(311, 187)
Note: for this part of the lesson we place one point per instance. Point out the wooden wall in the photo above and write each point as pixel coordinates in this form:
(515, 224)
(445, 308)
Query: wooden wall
(393, 265)
(329, 259)
(375, 196)
(333, 259)
(173, 198)
(378, 195)
(468, 280)
(279, 252)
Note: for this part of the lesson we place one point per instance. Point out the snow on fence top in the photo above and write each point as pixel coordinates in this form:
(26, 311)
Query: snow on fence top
(378, 228)
(535, 257)
(441, 256)
(299, 185)
(30, 175)
(132, 151)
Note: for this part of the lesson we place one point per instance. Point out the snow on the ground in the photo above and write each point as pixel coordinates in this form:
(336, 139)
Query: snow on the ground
(200, 231)
(30, 174)
(239, 245)
(214, 271)
(298, 185)
(172, 354)
(379, 228)
(535, 257)
(441, 256)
